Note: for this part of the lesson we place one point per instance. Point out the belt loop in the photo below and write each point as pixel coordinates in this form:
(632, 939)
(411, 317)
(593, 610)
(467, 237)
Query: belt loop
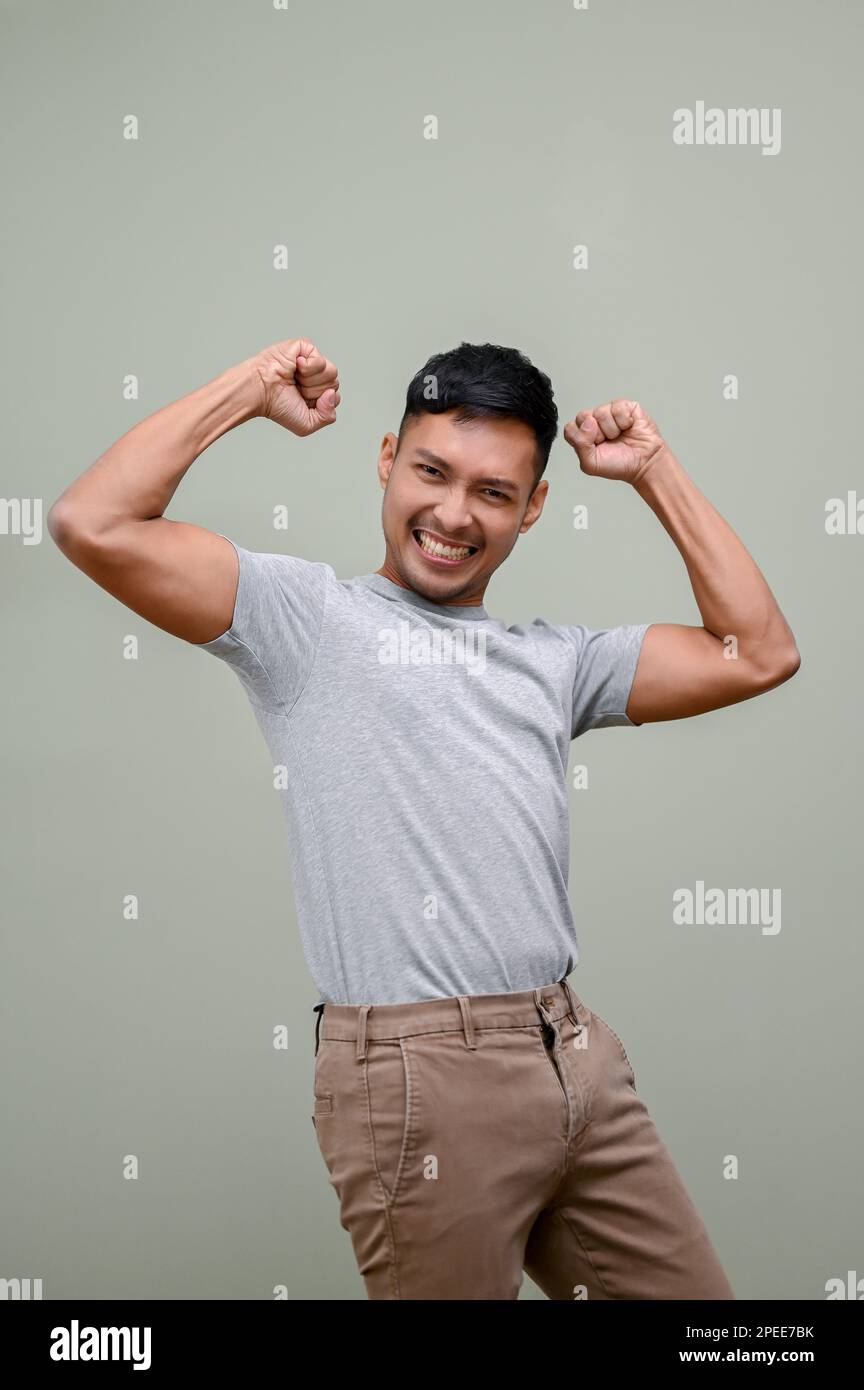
(568, 991)
(319, 1010)
(361, 1031)
(467, 1021)
(544, 1012)
(572, 1007)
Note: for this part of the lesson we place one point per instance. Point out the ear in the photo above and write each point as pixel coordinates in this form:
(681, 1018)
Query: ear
(535, 505)
(387, 456)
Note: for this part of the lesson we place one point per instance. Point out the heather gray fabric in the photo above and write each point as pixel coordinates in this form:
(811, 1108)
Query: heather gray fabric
(423, 753)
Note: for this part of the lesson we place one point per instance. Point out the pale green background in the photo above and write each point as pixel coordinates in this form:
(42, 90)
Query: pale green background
(260, 127)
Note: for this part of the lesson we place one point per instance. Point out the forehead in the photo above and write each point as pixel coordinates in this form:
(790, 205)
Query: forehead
(473, 448)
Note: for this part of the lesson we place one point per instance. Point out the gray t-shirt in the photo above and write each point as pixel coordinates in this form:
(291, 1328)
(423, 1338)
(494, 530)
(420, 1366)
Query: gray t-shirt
(420, 752)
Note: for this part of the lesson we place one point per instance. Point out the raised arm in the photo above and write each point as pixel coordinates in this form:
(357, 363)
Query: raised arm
(745, 645)
(109, 521)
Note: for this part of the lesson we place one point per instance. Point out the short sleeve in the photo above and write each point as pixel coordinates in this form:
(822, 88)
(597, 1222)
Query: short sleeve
(278, 614)
(605, 667)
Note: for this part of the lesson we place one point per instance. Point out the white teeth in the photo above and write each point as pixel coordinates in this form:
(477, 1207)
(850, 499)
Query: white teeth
(447, 552)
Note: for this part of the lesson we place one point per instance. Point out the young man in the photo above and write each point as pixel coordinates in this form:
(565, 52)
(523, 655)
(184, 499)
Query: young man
(476, 1118)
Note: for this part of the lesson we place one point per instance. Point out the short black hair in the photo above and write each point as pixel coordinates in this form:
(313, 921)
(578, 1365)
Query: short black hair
(484, 379)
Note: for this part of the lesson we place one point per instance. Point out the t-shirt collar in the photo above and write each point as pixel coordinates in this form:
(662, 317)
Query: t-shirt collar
(380, 584)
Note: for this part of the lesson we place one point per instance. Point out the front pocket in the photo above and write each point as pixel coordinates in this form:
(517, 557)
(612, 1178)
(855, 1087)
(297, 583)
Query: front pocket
(323, 1105)
(621, 1047)
(391, 1111)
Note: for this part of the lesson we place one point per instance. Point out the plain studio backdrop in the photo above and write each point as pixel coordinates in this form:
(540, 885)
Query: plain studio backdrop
(187, 184)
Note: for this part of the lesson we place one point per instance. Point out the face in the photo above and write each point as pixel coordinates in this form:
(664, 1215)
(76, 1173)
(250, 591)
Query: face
(467, 487)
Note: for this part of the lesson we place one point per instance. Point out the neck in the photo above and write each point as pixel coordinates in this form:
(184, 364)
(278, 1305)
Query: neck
(390, 572)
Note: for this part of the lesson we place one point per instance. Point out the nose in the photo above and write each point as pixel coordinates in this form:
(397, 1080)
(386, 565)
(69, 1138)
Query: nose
(452, 515)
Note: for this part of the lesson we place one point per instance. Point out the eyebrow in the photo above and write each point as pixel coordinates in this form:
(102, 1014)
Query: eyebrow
(429, 457)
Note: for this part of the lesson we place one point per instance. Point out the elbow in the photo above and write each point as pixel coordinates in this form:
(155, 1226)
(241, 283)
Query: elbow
(57, 523)
(790, 664)
(781, 669)
(61, 527)
(795, 663)
(66, 528)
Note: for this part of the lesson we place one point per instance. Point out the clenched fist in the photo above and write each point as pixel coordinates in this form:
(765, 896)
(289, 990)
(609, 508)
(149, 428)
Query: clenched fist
(618, 440)
(300, 388)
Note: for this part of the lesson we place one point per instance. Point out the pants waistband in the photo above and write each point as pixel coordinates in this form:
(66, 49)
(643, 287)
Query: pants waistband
(466, 1013)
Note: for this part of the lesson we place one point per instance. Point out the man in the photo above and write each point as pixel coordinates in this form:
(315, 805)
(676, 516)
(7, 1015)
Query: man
(476, 1118)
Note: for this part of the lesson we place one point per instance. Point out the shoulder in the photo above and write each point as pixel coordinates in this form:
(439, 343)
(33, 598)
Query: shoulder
(275, 564)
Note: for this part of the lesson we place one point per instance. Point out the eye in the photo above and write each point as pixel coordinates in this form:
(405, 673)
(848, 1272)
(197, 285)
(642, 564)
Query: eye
(430, 469)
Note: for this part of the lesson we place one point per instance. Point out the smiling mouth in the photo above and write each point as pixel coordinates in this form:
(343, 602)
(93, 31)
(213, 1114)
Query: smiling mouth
(448, 554)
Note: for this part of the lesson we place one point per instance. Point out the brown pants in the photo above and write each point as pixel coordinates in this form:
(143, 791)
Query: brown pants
(470, 1138)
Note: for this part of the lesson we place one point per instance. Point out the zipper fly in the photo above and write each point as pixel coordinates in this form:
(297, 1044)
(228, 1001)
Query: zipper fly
(552, 1046)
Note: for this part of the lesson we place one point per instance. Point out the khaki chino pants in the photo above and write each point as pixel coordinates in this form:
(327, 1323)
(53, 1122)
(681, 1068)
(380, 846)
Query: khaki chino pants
(471, 1138)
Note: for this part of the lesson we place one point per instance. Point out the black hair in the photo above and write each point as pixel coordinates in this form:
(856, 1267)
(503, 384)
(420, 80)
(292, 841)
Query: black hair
(477, 380)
